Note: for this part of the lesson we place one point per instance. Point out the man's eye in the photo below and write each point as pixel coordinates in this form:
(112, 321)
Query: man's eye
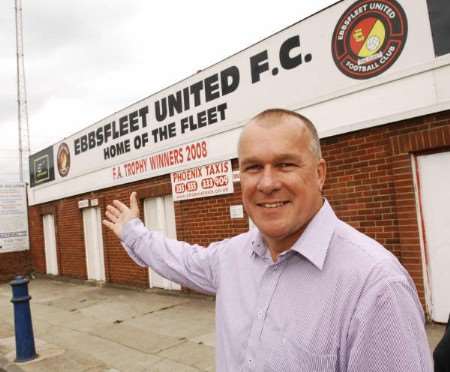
(252, 168)
(286, 165)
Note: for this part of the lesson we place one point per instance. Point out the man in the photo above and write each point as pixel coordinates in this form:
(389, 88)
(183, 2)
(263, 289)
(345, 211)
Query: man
(302, 292)
(441, 354)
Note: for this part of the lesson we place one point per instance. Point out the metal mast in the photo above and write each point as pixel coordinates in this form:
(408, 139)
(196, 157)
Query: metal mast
(22, 109)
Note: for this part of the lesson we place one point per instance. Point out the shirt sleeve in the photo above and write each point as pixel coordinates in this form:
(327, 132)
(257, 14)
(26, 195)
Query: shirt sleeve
(192, 266)
(387, 331)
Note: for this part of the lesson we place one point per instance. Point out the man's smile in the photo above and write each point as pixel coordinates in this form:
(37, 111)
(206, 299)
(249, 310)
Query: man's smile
(277, 204)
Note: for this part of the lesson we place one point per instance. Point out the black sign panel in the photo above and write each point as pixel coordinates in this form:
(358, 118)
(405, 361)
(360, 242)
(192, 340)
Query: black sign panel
(439, 11)
(41, 167)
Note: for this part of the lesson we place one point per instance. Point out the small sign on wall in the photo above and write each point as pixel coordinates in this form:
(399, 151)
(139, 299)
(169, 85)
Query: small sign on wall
(200, 182)
(83, 203)
(236, 211)
(13, 218)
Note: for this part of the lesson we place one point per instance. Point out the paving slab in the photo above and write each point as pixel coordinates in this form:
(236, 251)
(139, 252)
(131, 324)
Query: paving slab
(130, 307)
(6, 346)
(6, 329)
(208, 339)
(67, 361)
(187, 320)
(113, 354)
(167, 365)
(46, 351)
(138, 339)
(191, 353)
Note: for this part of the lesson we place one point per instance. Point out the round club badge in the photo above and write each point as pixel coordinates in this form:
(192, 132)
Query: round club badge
(63, 159)
(369, 37)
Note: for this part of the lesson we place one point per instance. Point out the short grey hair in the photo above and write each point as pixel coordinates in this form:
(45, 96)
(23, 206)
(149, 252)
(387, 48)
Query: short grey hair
(280, 113)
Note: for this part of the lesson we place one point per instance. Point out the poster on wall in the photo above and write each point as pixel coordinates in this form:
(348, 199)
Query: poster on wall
(13, 218)
(200, 182)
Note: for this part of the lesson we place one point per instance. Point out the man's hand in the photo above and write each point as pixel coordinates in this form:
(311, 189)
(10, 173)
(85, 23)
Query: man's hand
(119, 214)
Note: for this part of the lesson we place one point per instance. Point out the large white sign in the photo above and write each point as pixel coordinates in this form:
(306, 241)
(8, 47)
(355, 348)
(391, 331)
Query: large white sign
(347, 67)
(200, 182)
(13, 218)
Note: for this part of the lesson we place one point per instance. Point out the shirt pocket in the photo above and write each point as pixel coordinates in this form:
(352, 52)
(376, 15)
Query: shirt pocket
(287, 354)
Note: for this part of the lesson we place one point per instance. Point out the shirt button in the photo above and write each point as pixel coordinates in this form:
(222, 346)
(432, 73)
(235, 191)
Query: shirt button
(275, 268)
(260, 314)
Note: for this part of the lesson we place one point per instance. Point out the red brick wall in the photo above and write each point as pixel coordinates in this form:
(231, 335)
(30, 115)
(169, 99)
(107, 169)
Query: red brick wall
(207, 220)
(36, 231)
(70, 239)
(370, 182)
(14, 263)
(370, 185)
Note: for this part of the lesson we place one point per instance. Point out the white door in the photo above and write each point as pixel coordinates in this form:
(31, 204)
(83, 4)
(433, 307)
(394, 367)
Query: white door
(93, 242)
(159, 214)
(433, 175)
(51, 258)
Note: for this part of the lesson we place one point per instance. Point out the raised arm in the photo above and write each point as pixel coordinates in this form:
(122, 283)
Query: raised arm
(191, 266)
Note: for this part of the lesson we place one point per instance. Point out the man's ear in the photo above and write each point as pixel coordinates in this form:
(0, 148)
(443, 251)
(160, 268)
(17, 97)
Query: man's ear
(321, 173)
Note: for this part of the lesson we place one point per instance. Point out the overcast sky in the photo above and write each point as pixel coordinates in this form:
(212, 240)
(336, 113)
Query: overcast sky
(85, 59)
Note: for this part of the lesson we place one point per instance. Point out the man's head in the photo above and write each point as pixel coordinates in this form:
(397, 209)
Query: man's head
(282, 174)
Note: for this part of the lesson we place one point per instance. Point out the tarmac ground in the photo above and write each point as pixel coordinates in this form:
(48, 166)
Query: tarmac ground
(79, 327)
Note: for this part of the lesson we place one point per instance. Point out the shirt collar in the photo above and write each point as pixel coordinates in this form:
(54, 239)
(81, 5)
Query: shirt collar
(258, 245)
(313, 243)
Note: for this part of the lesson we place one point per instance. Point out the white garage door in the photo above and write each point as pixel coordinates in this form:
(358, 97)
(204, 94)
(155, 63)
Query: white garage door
(433, 175)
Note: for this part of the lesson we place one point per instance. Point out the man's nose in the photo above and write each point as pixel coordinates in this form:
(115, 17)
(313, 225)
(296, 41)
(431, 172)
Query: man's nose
(268, 181)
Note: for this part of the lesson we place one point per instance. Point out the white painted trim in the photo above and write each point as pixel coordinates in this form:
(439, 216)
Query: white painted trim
(423, 253)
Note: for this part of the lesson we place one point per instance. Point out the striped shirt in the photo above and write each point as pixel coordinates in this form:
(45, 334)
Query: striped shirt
(336, 301)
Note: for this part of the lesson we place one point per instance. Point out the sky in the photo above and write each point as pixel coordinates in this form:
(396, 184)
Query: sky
(87, 59)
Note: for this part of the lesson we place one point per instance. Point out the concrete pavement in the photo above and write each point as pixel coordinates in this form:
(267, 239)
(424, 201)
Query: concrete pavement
(86, 328)
(80, 327)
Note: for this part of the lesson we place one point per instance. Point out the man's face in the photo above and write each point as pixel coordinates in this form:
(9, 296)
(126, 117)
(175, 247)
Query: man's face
(281, 179)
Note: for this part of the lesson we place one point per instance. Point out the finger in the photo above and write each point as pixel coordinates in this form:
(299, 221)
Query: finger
(133, 202)
(113, 210)
(111, 217)
(120, 206)
(108, 224)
